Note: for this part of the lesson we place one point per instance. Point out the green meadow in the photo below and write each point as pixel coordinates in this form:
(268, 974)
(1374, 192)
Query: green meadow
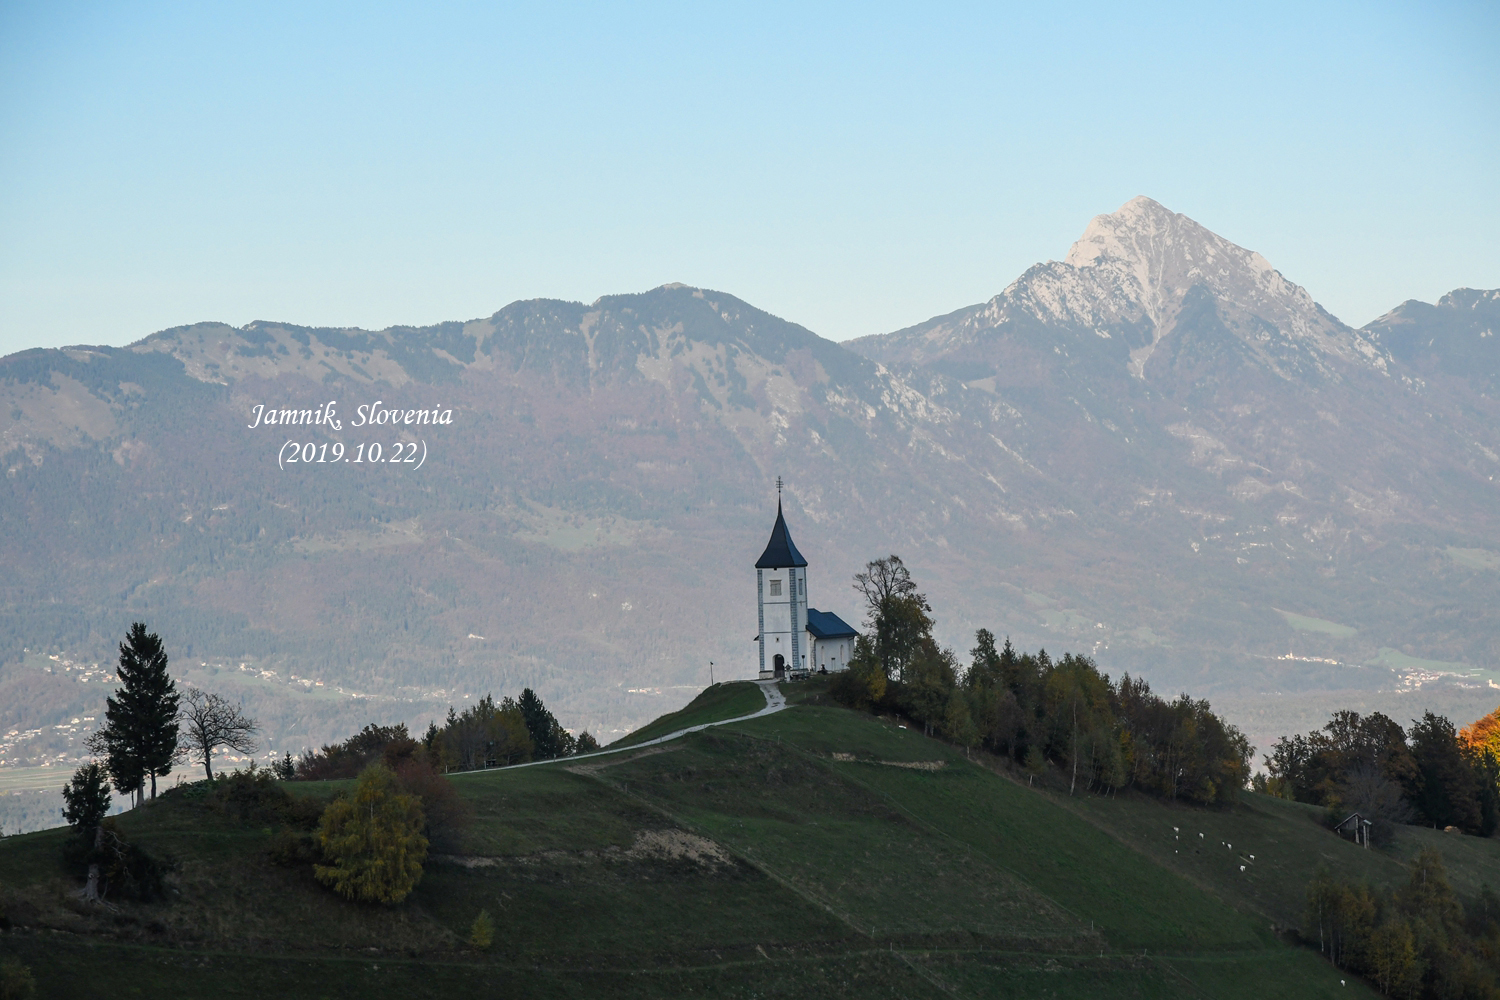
(715, 704)
(816, 852)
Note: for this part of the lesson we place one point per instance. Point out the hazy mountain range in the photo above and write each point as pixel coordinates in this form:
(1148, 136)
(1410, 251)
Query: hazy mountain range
(1158, 450)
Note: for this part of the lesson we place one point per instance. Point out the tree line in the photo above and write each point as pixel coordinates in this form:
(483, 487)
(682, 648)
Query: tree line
(150, 726)
(1417, 941)
(486, 734)
(1428, 774)
(1099, 734)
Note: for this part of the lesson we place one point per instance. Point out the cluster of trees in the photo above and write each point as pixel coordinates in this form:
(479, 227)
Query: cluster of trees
(486, 734)
(1102, 734)
(1428, 774)
(149, 726)
(369, 844)
(1418, 941)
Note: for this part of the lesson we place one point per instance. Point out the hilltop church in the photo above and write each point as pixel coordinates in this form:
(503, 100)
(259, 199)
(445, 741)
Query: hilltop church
(795, 640)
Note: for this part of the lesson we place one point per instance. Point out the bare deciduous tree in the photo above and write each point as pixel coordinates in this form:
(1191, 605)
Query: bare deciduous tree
(882, 579)
(210, 722)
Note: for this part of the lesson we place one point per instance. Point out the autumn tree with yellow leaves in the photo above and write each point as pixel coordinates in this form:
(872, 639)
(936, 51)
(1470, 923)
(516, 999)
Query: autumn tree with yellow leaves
(373, 839)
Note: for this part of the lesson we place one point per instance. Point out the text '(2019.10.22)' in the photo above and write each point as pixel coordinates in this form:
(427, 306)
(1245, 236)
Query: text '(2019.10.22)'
(400, 453)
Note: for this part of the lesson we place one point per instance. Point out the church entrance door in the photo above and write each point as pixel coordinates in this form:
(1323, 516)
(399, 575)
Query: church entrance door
(780, 666)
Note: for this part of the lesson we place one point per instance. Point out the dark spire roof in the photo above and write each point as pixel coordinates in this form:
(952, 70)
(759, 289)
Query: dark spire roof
(780, 550)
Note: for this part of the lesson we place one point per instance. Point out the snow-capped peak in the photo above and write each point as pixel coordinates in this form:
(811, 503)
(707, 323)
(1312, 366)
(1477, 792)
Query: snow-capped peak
(1158, 254)
(1139, 263)
(1129, 279)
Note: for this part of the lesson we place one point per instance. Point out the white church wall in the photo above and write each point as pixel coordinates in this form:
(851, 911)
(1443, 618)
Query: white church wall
(783, 611)
(830, 654)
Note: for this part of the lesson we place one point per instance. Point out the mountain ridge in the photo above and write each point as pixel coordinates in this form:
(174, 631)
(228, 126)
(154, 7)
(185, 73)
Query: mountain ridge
(580, 528)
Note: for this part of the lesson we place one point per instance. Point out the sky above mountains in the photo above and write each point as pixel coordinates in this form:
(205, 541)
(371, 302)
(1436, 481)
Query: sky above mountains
(854, 168)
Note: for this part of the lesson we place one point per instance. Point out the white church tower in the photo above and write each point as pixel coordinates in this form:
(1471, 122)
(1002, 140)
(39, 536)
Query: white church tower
(781, 580)
(794, 639)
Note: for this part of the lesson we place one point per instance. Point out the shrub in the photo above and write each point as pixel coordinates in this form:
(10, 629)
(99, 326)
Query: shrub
(447, 813)
(482, 931)
(303, 812)
(122, 869)
(390, 744)
(374, 840)
(291, 849)
(248, 796)
(16, 982)
(863, 683)
(255, 795)
(130, 870)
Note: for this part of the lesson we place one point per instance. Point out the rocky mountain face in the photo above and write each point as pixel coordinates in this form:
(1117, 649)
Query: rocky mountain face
(1158, 451)
(1226, 430)
(1133, 278)
(1451, 343)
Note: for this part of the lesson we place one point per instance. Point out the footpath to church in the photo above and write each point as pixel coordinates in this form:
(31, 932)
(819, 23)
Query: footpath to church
(775, 702)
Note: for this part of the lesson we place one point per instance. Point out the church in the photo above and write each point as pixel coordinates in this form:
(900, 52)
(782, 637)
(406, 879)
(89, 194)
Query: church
(795, 640)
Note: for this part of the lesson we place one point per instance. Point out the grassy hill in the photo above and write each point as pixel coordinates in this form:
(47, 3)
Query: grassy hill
(721, 701)
(814, 852)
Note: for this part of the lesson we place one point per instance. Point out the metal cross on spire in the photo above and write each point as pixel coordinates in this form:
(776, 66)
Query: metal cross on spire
(778, 487)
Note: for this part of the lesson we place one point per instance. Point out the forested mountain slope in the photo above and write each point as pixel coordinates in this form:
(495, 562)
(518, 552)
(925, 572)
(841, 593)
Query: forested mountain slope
(1159, 451)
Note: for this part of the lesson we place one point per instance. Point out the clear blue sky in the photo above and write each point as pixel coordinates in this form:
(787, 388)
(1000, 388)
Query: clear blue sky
(853, 168)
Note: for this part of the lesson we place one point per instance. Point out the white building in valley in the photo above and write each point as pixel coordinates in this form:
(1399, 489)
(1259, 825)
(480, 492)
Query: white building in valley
(795, 640)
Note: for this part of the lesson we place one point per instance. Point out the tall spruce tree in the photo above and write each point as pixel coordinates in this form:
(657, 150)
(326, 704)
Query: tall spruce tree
(140, 734)
(548, 736)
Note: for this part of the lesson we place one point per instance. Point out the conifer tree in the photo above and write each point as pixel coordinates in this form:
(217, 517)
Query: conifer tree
(139, 738)
(1035, 763)
(548, 736)
(121, 763)
(86, 800)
